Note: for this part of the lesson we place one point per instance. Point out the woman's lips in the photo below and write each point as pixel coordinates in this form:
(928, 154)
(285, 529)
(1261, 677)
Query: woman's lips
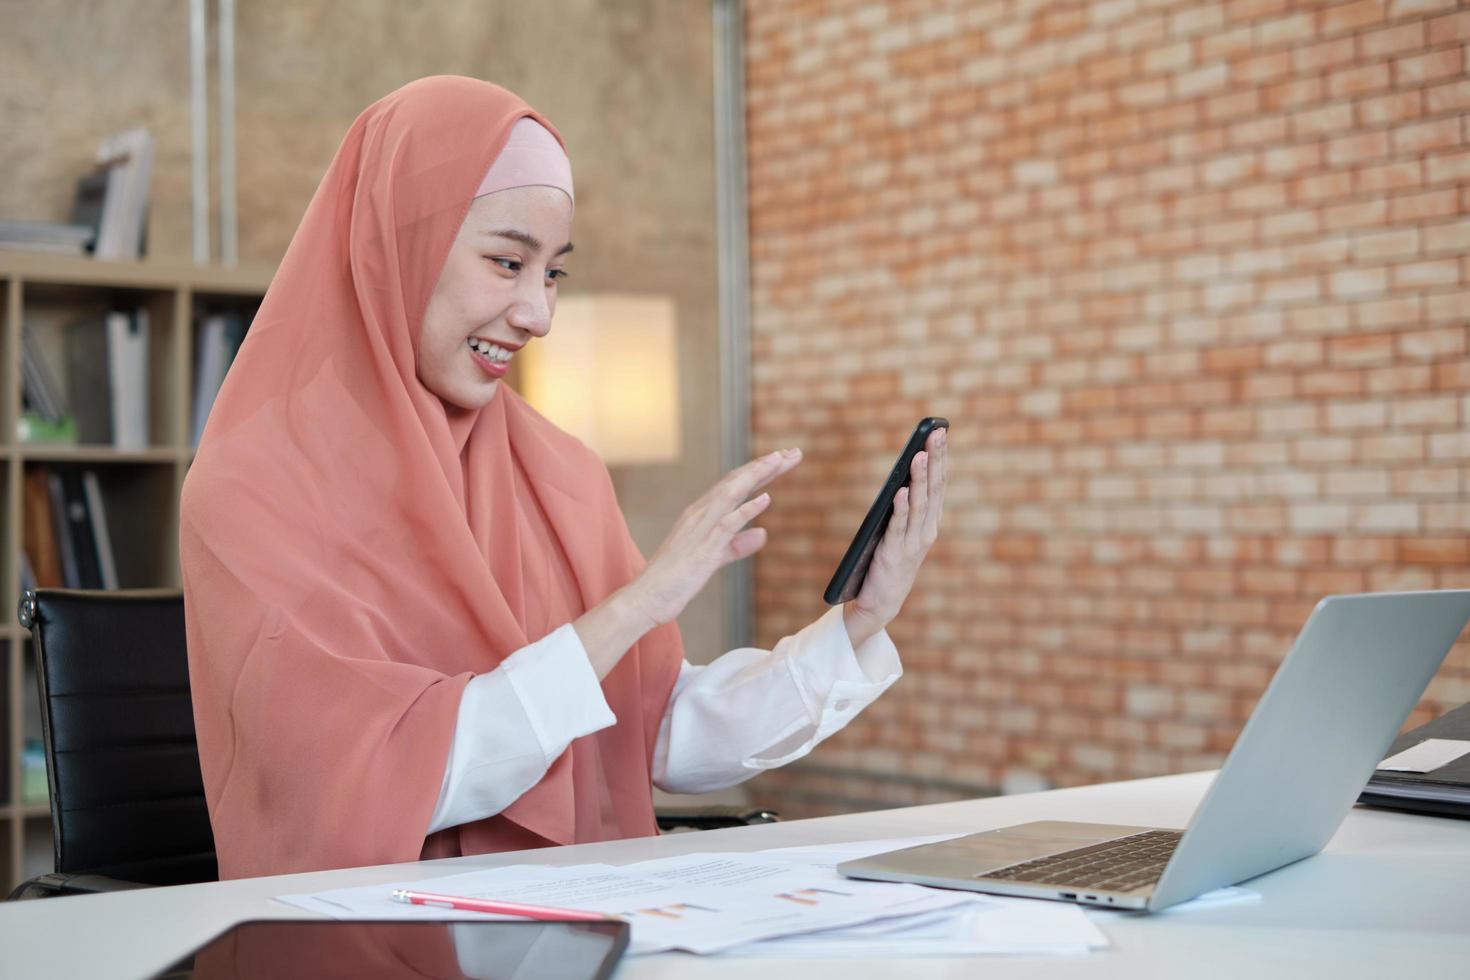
(495, 369)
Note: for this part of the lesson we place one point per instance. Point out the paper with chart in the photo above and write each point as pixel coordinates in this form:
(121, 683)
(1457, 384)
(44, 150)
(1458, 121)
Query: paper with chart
(702, 903)
(989, 925)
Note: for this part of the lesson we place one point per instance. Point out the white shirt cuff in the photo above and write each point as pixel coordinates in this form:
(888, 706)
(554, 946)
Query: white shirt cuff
(754, 709)
(836, 682)
(559, 690)
(514, 722)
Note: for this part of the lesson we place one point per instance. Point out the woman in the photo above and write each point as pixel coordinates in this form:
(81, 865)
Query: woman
(417, 624)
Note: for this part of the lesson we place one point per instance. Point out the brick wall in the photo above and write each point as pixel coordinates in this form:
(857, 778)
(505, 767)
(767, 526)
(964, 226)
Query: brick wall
(1190, 279)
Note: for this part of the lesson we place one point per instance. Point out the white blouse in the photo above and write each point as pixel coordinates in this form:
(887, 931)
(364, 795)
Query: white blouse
(750, 710)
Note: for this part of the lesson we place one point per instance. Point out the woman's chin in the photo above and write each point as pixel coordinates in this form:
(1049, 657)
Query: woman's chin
(472, 398)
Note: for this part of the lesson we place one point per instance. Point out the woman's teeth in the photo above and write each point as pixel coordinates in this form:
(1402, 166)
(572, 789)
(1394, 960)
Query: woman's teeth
(495, 352)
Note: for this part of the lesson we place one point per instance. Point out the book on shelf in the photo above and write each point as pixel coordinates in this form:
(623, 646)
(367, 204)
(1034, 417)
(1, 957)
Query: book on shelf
(38, 531)
(40, 393)
(46, 236)
(127, 365)
(220, 336)
(101, 537)
(127, 160)
(67, 540)
(107, 378)
(71, 575)
(27, 573)
(87, 379)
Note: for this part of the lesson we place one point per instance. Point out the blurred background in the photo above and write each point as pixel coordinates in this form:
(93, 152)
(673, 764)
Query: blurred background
(1188, 278)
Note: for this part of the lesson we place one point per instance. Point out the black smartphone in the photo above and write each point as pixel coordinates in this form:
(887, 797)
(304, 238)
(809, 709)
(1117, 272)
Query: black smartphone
(853, 568)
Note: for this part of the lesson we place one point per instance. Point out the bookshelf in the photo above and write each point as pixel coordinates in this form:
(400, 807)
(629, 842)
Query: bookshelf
(140, 487)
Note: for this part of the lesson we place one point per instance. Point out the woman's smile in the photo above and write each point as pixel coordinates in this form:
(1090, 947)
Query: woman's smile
(491, 358)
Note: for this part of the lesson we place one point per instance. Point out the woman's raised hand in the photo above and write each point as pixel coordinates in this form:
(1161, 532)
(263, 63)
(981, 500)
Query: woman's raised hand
(709, 534)
(912, 530)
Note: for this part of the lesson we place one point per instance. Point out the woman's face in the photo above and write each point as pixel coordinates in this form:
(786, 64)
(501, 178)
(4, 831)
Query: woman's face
(496, 293)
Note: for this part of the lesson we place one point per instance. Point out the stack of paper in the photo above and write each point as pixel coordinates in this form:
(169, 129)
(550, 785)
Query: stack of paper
(985, 925)
(776, 903)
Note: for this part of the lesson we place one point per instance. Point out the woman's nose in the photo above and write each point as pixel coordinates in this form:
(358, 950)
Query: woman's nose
(531, 313)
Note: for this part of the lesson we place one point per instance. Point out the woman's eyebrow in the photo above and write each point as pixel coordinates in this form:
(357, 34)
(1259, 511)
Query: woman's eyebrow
(528, 240)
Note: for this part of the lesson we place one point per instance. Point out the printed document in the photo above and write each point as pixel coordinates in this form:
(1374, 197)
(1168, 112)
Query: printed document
(788, 902)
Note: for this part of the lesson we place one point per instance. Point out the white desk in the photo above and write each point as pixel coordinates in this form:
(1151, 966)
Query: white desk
(1390, 896)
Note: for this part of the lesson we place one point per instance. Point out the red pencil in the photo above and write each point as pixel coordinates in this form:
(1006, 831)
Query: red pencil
(544, 912)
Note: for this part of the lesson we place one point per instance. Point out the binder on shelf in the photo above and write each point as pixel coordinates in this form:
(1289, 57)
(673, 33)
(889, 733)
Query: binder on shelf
(1444, 791)
(102, 538)
(39, 531)
(45, 236)
(40, 392)
(66, 544)
(107, 377)
(127, 159)
(87, 380)
(127, 365)
(220, 337)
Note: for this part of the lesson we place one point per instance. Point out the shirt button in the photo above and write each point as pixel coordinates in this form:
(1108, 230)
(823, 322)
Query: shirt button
(842, 705)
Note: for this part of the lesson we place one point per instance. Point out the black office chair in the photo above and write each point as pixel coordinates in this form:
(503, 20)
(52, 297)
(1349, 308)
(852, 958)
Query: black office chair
(127, 797)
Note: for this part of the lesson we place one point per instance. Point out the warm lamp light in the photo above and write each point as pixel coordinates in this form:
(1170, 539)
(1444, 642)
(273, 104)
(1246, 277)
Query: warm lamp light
(608, 374)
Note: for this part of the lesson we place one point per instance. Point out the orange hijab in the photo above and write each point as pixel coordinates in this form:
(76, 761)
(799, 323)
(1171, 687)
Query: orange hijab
(350, 558)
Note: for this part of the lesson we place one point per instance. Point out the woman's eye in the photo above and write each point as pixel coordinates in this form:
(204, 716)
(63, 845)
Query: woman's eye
(556, 274)
(509, 264)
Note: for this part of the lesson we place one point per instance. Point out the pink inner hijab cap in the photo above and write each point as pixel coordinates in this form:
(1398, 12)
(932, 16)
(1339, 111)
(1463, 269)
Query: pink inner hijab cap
(532, 157)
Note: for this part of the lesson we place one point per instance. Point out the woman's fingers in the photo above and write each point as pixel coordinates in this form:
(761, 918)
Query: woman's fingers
(745, 513)
(744, 480)
(747, 543)
(938, 477)
(918, 497)
(898, 524)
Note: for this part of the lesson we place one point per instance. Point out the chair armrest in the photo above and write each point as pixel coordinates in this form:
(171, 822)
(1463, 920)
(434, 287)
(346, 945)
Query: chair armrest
(711, 817)
(56, 884)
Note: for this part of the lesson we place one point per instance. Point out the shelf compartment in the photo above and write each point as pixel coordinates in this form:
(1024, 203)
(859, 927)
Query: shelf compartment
(219, 325)
(54, 313)
(139, 510)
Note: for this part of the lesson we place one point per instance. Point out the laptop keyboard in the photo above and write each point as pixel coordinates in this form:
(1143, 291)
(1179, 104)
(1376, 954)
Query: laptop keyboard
(1115, 865)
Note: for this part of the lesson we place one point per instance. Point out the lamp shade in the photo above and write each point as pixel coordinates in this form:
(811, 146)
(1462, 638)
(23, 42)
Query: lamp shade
(608, 372)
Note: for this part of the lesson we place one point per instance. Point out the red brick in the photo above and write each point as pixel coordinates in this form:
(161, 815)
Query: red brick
(1421, 68)
(1449, 97)
(1435, 134)
(1434, 551)
(1449, 29)
(1352, 16)
(1392, 40)
(1430, 205)
(1394, 107)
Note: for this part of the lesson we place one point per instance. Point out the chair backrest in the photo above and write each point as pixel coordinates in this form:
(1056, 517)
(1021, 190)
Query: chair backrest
(127, 798)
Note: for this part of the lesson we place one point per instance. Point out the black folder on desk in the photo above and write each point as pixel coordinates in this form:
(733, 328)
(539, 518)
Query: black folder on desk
(1444, 792)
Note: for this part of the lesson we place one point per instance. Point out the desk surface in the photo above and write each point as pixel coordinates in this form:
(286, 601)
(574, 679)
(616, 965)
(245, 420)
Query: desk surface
(1387, 895)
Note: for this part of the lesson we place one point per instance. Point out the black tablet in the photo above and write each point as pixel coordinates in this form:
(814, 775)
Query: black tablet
(319, 948)
(853, 568)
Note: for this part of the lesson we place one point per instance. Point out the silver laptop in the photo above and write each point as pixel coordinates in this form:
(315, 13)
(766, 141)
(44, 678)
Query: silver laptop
(1357, 668)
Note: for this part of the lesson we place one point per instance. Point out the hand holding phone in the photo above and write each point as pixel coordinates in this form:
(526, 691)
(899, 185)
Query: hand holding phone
(913, 495)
